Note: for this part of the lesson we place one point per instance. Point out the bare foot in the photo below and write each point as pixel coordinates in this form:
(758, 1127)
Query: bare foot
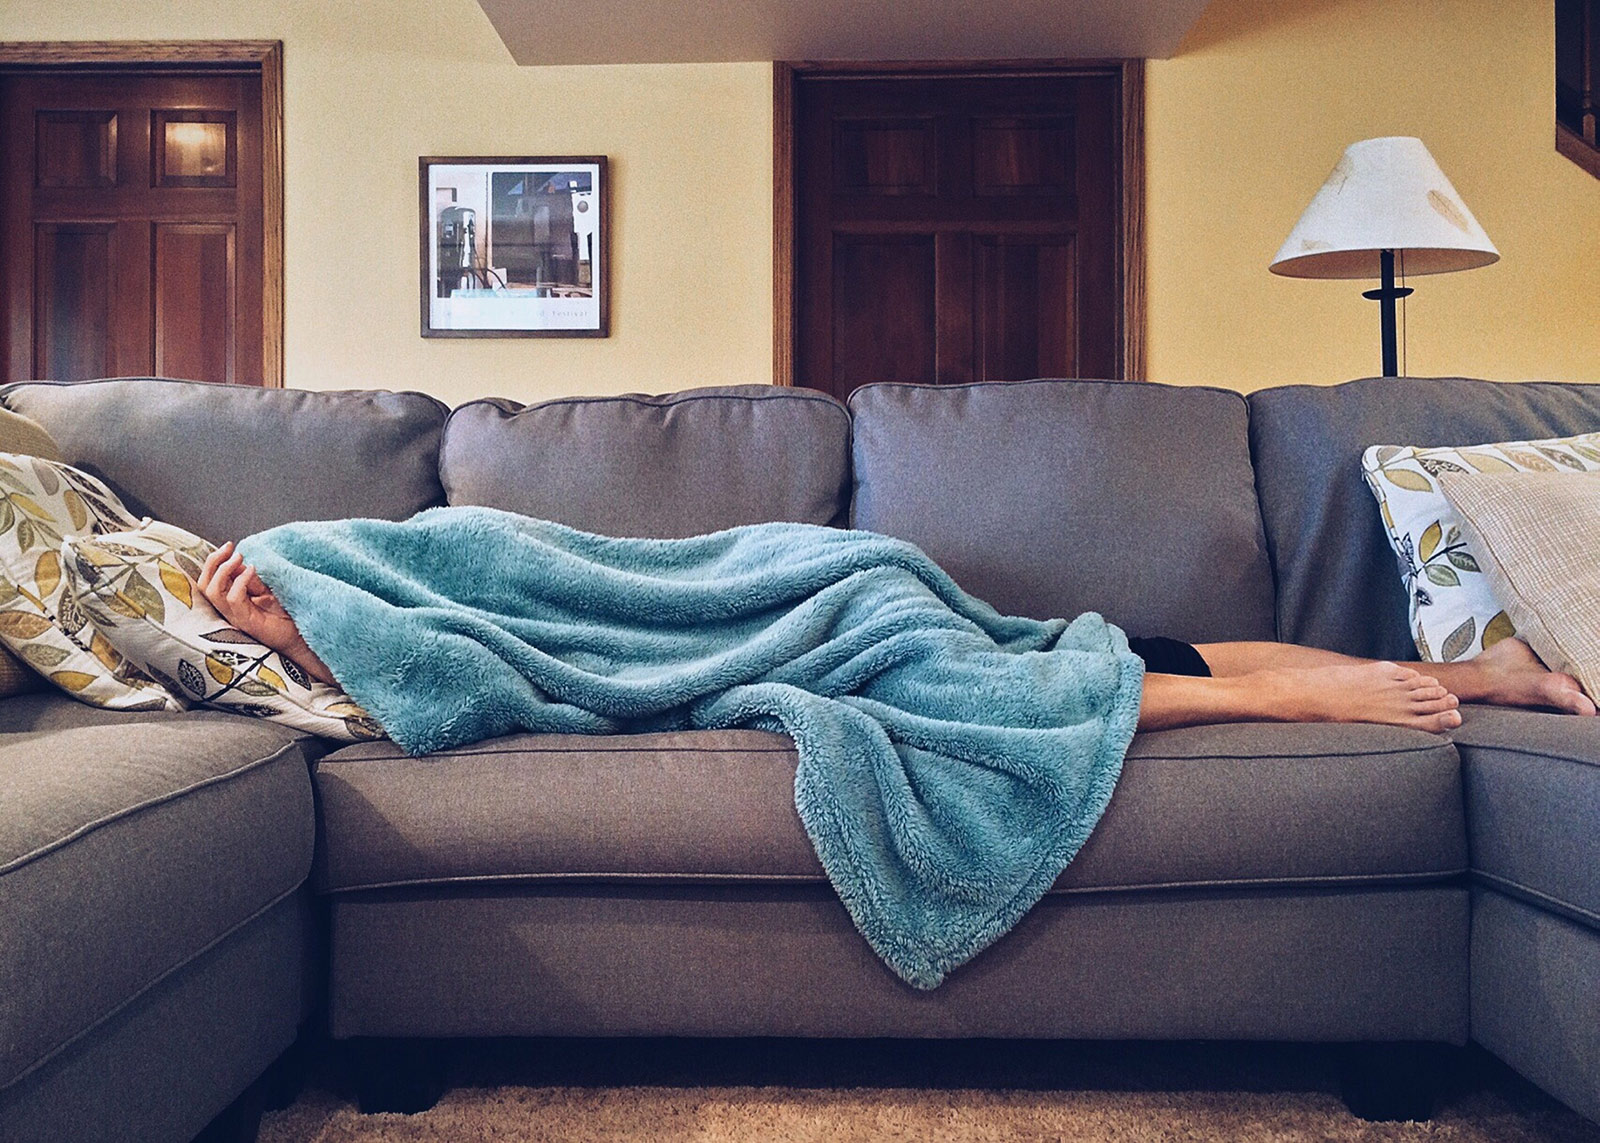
(1510, 674)
(1385, 693)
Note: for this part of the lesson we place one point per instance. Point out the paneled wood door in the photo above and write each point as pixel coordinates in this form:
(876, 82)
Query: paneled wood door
(132, 239)
(957, 228)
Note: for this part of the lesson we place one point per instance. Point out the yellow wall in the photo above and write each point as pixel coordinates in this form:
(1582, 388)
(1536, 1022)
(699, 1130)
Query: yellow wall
(1245, 123)
(1242, 127)
(370, 85)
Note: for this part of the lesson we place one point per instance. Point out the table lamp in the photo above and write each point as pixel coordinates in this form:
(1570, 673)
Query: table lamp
(1385, 196)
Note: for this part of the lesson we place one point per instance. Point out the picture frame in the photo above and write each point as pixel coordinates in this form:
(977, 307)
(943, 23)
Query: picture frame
(515, 247)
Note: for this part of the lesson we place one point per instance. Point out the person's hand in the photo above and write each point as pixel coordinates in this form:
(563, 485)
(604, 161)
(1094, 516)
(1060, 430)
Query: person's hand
(236, 591)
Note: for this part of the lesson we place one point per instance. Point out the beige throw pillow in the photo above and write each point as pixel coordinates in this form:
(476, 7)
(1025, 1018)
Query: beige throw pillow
(1536, 535)
(23, 435)
(1454, 614)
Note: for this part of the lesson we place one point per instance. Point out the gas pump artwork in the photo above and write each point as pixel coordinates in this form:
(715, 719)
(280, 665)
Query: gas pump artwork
(514, 247)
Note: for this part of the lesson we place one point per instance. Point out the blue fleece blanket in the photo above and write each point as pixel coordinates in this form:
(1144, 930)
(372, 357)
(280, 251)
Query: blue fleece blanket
(951, 760)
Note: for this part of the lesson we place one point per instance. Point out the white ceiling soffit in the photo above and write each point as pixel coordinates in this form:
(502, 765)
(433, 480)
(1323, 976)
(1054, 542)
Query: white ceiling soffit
(714, 31)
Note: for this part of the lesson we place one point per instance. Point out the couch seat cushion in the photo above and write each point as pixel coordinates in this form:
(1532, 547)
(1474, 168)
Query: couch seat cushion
(1250, 805)
(130, 843)
(1533, 804)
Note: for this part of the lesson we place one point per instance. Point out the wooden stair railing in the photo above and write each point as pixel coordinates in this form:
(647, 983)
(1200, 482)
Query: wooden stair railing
(1577, 65)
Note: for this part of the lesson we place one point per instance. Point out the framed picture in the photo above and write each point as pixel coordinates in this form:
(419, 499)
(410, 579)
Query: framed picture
(514, 247)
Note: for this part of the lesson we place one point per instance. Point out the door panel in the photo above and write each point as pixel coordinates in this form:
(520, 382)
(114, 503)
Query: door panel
(884, 291)
(1023, 284)
(76, 149)
(957, 228)
(194, 300)
(143, 193)
(883, 156)
(1024, 155)
(74, 283)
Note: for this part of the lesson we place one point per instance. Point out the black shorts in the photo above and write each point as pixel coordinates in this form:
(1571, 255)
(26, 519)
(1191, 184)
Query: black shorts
(1163, 656)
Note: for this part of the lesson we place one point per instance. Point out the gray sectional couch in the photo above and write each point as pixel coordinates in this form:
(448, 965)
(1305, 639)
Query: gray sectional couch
(181, 894)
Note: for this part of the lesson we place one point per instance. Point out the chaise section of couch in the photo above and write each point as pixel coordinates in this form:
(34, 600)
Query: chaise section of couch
(1531, 779)
(1533, 787)
(153, 927)
(159, 945)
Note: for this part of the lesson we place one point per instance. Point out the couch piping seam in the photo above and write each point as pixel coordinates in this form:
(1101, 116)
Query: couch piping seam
(818, 878)
(333, 760)
(1243, 397)
(128, 811)
(682, 398)
(145, 988)
(387, 759)
(1533, 896)
(1340, 755)
(6, 390)
(1524, 752)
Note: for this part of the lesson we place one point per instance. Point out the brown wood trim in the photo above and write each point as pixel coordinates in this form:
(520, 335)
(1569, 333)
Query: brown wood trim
(265, 56)
(1134, 319)
(783, 213)
(58, 53)
(785, 74)
(1575, 147)
(272, 280)
(966, 69)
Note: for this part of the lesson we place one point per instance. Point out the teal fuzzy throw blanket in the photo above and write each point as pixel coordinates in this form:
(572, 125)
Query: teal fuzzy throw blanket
(951, 760)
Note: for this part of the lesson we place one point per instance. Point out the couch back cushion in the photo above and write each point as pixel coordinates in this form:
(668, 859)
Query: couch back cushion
(224, 461)
(1049, 498)
(1338, 584)
(668, 466)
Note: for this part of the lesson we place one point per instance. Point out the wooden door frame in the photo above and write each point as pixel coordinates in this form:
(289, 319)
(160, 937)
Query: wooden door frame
(266, 56)
(1131, 255)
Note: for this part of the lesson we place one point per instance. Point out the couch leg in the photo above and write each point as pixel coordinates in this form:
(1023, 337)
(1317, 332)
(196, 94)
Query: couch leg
(285, 1077)
(396, 1075)
(240, 1121)
(1392, 1081)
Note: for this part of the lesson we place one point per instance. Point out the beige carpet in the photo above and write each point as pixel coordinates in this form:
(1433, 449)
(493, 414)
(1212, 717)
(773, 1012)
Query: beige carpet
(715, 1115)
(1142, 1094)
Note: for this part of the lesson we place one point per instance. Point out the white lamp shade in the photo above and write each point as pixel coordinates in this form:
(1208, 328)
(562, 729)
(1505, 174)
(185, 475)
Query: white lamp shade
(1384, 194)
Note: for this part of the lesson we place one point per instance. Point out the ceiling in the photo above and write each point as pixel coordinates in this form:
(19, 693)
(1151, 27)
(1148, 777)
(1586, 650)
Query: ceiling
(713, 31)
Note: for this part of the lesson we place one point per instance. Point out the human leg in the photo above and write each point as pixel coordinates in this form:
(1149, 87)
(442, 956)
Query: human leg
(1507, 674)
(1353, 691)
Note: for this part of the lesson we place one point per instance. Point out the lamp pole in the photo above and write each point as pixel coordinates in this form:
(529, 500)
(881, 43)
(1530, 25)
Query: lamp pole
(1385, 295)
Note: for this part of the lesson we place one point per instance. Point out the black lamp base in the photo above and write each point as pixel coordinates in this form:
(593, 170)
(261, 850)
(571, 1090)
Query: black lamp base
(1385, 295)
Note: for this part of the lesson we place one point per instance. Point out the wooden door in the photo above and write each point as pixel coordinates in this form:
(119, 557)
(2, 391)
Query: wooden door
(132, 240)
(962, 228)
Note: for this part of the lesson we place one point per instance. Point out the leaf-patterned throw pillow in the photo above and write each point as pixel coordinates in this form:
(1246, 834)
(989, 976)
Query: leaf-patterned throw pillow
(139, 588)
(18, 434)
(43, 502)
(1454, 614)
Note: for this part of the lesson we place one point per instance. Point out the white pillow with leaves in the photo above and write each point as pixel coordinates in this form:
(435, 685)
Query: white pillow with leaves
(1454, 614)
(43, 502)
(139, 588)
